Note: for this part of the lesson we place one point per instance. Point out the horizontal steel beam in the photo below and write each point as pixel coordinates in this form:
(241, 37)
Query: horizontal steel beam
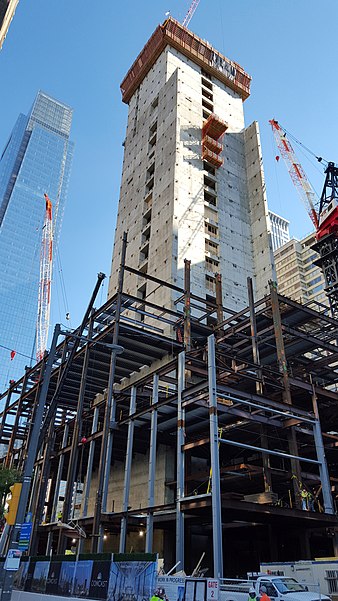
(250, 447)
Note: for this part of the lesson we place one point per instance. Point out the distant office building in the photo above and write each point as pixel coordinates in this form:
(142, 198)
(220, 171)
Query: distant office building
(297, 276)
(36, 159)
(7, 10)
(279, 230)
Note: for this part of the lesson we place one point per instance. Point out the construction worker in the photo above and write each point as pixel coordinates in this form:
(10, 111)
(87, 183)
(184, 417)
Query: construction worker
(156, 596)
(252, 594)
(263, 594)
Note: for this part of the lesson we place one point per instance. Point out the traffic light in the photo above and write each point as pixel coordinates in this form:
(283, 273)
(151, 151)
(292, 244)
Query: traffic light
(12, 503)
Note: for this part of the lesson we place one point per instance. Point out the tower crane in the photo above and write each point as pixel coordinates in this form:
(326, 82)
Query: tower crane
(190, 13)
(325, 218)
(46, 263)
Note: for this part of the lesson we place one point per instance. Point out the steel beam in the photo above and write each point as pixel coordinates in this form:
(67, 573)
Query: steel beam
(127, 471)
(152, 467)
(180, 462)
(216, 500)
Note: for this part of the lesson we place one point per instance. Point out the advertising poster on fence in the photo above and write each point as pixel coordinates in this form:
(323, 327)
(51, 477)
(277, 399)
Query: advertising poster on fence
(21, 576)
(29, 576)
(53, 577)
(66, 578)
(132, 580)
(39, 580)
(99, 580)
(82, 578)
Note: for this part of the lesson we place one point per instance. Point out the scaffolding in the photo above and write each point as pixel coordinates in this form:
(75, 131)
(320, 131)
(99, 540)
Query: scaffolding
(226, 424)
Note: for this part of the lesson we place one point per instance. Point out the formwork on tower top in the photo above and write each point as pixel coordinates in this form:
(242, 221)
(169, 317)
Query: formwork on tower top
(172, 33)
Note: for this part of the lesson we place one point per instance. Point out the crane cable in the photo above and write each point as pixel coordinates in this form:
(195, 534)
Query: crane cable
(294, 139)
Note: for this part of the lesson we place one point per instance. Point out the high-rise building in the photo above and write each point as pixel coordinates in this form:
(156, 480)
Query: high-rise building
(297, 275)
(7, 10)
(36, 159)
(192, 182)
(280, 233)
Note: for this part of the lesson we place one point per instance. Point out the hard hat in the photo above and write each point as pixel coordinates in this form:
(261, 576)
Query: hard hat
(252, 590)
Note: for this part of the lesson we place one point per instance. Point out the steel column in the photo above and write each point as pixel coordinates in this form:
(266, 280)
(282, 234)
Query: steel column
(320, 451)
(216, 499)
(109, 422)
(180, 462)
(187, 308)
(9, 458)
(127, 471)
(77, 431)
(152, 468)
(219, 303)
(86, 490)
(4, 415)
(59, 473)
(281, 356)
(33, 443)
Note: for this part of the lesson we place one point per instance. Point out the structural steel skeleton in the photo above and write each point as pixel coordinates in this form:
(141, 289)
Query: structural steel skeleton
(260, 380)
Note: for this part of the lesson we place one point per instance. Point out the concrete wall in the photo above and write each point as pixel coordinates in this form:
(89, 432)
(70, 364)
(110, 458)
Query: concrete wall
(179, 210)
(138, 498)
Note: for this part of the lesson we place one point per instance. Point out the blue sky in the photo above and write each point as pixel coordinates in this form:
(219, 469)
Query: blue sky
(79, 51)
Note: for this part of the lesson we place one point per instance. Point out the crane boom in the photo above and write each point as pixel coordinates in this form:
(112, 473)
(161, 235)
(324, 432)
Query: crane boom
(296, 171)
(46, 262)
(190, 13)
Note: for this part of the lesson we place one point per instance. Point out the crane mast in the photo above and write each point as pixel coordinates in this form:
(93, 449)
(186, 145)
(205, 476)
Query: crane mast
(46, 263)
(296, 171)
(190, 13)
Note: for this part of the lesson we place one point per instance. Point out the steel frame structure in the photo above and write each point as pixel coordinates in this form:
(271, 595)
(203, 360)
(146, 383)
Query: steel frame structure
(261, 380)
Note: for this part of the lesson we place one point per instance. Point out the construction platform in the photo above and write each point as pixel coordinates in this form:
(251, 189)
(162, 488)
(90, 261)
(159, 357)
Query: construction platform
(201, 435)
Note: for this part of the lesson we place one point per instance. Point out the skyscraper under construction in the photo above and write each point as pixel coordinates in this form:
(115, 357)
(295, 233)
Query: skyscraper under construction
(192, 182)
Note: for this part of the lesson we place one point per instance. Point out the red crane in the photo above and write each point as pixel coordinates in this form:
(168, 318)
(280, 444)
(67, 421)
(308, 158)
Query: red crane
(325, 219)
(46, 264)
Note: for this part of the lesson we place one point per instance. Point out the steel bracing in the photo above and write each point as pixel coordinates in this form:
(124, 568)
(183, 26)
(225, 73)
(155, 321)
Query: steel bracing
(207, 420)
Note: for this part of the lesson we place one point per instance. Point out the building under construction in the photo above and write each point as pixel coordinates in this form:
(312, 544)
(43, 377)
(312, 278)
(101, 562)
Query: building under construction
(190, 412)
(205, 439)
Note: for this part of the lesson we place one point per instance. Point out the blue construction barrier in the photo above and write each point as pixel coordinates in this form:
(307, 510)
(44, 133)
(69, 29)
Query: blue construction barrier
(118, 577)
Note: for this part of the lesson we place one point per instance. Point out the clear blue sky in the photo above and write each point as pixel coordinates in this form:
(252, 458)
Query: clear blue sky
(80, 50)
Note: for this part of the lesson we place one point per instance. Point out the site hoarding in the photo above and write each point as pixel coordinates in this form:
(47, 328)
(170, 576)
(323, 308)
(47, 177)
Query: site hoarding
(98, 577)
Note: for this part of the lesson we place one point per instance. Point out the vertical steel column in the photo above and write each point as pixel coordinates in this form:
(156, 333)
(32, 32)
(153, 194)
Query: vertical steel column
(281, 356)
(152, 467)
(4, 415)
(127, 471)
(109, 422)
(320, 451)
(219, 302)
(180, 462)
(259, 385)
(9, 457)
(214, 456)
(86, 490)
(59, 473)
(34, 439)
(77, 431)
(187, 308)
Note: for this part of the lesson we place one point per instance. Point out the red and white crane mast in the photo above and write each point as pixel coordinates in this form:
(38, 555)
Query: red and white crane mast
(46, 265)
(296, 171)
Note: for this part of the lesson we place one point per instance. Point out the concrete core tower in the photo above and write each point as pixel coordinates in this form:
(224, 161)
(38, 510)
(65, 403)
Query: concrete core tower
(192, 182)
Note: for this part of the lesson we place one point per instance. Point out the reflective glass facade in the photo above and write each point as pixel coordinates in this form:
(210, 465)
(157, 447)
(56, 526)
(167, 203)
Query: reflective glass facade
(36, 159)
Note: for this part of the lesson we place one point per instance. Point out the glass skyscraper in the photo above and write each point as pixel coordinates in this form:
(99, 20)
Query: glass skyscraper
(36, 159)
